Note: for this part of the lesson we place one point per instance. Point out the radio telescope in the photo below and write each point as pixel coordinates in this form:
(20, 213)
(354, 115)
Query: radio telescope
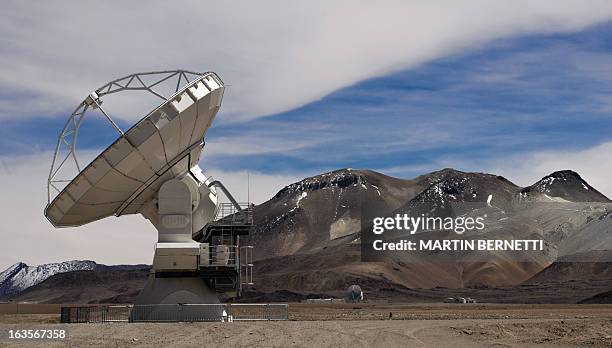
(152, 169)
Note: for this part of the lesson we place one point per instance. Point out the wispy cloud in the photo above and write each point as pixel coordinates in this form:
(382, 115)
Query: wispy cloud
(276, 56)
(512, 97)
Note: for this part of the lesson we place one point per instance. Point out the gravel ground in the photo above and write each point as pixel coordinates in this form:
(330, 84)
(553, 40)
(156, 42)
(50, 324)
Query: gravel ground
(362, 326)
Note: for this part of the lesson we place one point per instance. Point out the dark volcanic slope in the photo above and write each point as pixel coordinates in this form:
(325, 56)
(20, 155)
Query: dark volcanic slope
(316, 211)
(307, 236)
(604, 297)
(322, 210)
(449, 186)
(593, 265)
(568, 185)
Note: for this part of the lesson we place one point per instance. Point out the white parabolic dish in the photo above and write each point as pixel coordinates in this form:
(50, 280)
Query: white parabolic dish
(163, 145)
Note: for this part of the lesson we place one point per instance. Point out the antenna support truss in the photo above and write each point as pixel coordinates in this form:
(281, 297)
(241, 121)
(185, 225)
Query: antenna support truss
(65, 149)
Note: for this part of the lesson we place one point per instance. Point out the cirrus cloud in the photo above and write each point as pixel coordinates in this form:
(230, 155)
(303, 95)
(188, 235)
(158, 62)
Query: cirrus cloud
(274, 55)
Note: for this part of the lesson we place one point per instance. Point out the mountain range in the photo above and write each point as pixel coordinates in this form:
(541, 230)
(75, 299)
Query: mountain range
(21, 278)
(307, 236)
(307, 241)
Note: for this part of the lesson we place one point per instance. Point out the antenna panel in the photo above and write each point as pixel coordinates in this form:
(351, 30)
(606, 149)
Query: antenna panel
(164, 145)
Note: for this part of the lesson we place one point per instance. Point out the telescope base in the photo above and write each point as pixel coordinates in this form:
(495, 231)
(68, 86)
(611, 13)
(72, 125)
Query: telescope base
(177, 299)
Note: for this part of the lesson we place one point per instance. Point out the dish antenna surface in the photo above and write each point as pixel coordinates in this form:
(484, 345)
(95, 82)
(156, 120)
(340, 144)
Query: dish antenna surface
(123, 178)
(152, 169)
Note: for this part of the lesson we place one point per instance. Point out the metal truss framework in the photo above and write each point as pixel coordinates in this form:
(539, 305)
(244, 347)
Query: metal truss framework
(65, 150)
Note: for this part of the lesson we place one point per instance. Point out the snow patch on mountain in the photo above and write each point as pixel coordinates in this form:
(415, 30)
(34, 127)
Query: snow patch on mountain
(20, 276)
(302, 196)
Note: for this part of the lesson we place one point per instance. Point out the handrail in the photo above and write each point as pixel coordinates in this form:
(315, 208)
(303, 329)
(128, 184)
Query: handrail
(220, 185)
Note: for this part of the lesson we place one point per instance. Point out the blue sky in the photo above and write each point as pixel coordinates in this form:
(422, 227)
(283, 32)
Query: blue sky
(513, 96)
(509, 97)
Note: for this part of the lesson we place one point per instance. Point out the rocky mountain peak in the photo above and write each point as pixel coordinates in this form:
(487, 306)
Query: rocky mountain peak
(565, 174)
(454, 185)
(442, 174)
(338, 178)
(565, 184)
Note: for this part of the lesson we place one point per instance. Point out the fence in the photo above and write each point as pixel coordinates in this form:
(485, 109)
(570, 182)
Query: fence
(177, 312)
(29, 308)
(174, 313)
(95, 314)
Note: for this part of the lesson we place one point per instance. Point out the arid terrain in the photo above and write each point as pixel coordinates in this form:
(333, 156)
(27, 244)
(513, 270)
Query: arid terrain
(354, 325)
(309, 241)
(307, 245)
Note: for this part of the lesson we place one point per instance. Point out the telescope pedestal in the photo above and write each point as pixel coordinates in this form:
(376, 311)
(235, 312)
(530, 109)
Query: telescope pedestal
(175, 290)
(161, 296)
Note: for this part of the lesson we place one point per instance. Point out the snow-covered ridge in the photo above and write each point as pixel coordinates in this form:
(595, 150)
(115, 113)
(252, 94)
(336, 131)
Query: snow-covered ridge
(20, 276)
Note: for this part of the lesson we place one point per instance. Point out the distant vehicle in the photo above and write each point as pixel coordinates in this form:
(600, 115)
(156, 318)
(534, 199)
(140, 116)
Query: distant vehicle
(459, 300)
